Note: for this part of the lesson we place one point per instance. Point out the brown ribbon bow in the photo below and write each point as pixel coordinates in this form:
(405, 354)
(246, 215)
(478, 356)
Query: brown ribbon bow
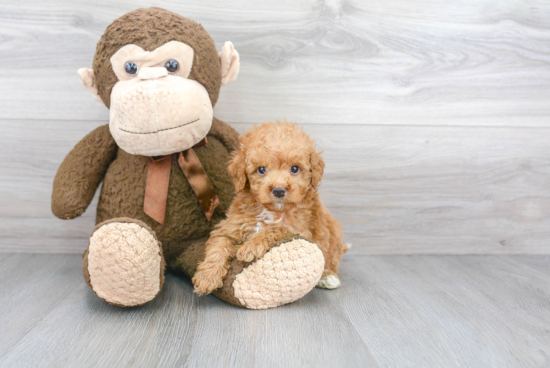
(158, 179)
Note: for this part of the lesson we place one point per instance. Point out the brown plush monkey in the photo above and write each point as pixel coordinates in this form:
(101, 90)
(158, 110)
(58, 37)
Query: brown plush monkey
(163, 162)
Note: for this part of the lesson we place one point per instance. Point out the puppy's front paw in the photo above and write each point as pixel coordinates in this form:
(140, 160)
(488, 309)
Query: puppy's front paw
(206, 281)
(252, 249)
(329, 281)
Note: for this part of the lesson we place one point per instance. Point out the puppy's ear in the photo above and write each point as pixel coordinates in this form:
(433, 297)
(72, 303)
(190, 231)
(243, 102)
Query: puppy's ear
(237, 169)
(317, 168)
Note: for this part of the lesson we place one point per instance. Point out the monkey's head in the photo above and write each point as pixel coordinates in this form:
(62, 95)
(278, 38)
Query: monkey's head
(160, 75)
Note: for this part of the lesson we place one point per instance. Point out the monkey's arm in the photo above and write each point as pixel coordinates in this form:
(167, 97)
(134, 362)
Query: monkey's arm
(81, 172)
(225, 133)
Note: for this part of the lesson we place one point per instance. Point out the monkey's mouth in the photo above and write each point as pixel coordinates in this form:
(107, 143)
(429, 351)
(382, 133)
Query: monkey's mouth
(160, 130)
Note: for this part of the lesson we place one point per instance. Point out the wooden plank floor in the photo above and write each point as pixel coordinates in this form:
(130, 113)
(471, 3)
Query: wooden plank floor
(416, 311)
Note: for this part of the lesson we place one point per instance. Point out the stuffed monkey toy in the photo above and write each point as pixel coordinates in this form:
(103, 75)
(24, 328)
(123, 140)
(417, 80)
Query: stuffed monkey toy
(163, 163)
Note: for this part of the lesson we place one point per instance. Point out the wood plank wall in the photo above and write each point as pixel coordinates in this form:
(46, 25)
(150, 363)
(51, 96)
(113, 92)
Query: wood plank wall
(434, 116)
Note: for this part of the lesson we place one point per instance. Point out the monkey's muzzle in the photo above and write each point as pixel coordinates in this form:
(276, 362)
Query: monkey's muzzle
(161, 116)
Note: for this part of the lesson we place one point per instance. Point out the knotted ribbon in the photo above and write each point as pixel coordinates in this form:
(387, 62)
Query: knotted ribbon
(158, 179)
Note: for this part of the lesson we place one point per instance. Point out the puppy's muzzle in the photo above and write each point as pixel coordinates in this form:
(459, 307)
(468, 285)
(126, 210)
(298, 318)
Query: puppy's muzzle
(279, 192)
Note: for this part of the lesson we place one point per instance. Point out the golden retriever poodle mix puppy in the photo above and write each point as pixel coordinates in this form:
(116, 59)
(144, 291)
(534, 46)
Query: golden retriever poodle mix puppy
(277, 172)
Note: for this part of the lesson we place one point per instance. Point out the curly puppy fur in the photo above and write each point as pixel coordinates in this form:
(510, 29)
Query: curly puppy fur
(272, 203)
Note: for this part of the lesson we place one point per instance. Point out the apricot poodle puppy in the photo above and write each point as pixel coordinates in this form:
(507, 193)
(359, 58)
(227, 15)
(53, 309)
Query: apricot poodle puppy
(277, 172)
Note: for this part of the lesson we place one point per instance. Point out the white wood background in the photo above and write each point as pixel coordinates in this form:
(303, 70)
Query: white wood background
(434, 115)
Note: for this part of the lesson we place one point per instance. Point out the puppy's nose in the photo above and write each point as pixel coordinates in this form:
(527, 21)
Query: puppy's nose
(279, 192)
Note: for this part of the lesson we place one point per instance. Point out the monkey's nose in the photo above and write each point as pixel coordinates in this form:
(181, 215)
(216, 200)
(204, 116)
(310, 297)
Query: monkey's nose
(279, 192)
(152, 72)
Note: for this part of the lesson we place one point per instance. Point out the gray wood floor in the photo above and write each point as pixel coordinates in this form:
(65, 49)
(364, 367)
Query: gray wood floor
(415, 311)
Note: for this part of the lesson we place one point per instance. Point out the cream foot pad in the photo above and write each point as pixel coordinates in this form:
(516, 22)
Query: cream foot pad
(124, 263)
(284, 274)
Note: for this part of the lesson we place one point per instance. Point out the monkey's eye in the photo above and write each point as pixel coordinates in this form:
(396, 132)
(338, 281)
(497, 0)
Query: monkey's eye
(131, 68)
(261, 170)
(294, 169)
(172, 66)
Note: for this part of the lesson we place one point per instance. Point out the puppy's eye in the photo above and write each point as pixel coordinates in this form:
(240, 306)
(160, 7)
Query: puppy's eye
(131, 68)
(172, 66)
(261, 170)
(294, 169)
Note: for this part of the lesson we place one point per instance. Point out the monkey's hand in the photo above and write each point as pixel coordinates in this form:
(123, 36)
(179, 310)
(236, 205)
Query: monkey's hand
(81, 172)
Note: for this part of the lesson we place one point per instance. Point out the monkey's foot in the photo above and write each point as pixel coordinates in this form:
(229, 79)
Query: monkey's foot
(124, 264)
(287, 272)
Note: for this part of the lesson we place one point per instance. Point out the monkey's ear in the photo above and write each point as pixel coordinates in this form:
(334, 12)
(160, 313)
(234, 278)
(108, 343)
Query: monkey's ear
(88, 80)
(230, 64)
(237, 169)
